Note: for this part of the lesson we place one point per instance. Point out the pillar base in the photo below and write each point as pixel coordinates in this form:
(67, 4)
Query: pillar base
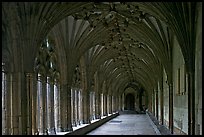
(45, 132)
(98, 116)
(52, 131)
(86, 121)
(70, 129)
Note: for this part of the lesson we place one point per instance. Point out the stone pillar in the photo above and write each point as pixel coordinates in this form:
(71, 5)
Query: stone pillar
(30, 108)
(117, 103)
(76, 107)
(91, 105)
(7, 93)
(101, 107)
(31, 102)
(157, 109)
(51, 120)
(34, 105)
(123, 101)
(14, 105)
(162, 102)
(3, 131)
(43, 106)
(80, 107)
(98, 105)
(56, 106)
(110, 104)
(104, 104)
(73, 107)
(69, 111)
(190, 76)
(86, 107)
(153, 103)
(171, 122)
(63, 108)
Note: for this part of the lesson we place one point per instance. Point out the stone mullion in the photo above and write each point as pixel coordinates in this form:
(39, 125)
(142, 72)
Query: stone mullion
(51, 122)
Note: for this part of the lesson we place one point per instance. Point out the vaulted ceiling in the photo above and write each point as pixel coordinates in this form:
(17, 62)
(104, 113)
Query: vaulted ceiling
(129, 43)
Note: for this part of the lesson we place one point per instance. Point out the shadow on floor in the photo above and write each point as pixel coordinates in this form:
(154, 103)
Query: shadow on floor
(163, 130)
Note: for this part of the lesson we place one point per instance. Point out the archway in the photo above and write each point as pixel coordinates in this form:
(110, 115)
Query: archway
(129, 101)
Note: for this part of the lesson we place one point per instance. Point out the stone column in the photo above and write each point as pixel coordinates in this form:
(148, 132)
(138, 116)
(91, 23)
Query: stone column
(50, 110)
(171, 122)
(73, 107)
(56, 106)
(98, 105)
(190, 76)
(113, 104)
(157, 109)
(105, 104)
(3, 131)
(68, 107)
(8, 90)
(153, 103)
(31, 99)
(80, 107)
(14, 105)
(162, 103)
(110, 104)
(123, 101)
(43, 106)
(86, 107)
(63, 108)
(34, 105)
(76, 107)
(91, 105)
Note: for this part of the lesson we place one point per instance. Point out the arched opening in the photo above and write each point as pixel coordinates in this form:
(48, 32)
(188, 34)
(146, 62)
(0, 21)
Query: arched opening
(129, 102)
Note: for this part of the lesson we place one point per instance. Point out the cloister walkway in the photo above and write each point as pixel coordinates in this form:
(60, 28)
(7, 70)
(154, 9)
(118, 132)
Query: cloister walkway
(127, 124)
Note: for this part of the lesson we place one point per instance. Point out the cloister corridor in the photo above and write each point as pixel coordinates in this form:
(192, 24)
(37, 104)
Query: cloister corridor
(90, 68)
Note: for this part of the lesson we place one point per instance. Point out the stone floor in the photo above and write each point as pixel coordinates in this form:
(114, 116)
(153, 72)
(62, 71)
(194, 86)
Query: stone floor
(127, 124)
